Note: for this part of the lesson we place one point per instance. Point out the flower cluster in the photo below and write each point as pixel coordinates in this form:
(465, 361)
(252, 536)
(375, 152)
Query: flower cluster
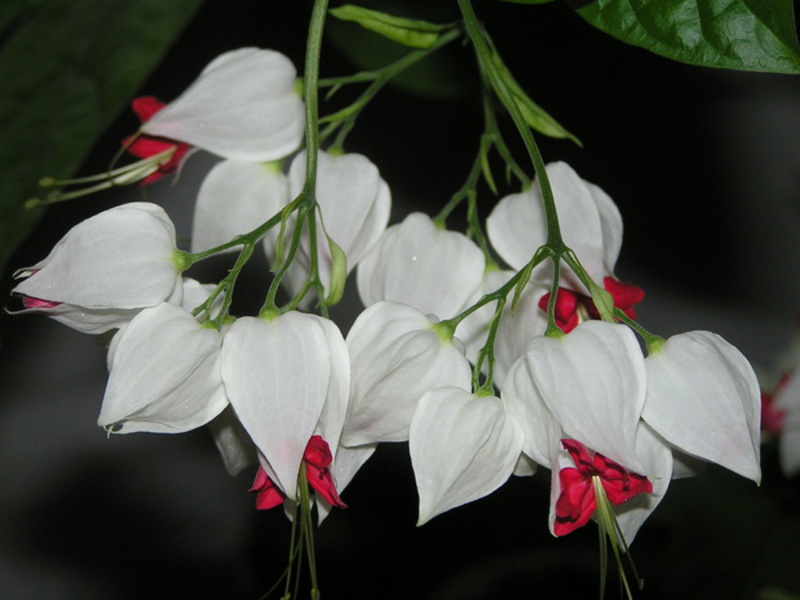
(555, 377)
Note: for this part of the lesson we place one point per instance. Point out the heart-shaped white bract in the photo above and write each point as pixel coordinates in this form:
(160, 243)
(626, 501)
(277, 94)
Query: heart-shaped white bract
(589, 220)
(105, 269)
(354, 205)
(235, 198)
(287, 378)
(396, 358)
(463, 447)
(244, 106)
(703, 397)
(165, 374)
(417, 263)
(592, 381)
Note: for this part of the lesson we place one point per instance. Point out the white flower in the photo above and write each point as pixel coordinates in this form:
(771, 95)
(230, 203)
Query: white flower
(590, 224)
(287, 378)
(589, 388)
(463, 447)
(354, 205)
(235, 198)
(106, 269)
(165, 374)
(243, 106)
(396, 356)
(417, 263)
(703, 397)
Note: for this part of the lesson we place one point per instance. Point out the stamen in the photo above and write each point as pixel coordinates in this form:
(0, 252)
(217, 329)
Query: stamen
(121, 176)
(610, 530)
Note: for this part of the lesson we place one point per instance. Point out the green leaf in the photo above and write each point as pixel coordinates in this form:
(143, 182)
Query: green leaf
(438, 76)
(68, 69)
(535, 116)
(409, 32)
(528, 1)
(747, 35)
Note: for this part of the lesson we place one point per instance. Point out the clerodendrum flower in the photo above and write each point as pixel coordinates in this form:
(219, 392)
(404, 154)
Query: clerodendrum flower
(234, 198)
(703, 398)
(591, 225)
(287, 378)
(165, 374)
(397, 356)
(354, 205)
(463, 447)
(588, 386)
(243, 106)
(594, 387)
(417, 263)
(106, 269)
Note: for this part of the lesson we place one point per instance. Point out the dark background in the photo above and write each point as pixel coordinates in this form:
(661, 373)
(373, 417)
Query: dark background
(705, 167)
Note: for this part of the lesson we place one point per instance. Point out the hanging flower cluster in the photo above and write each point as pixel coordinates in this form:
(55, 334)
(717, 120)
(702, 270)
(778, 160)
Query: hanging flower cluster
(485, 372)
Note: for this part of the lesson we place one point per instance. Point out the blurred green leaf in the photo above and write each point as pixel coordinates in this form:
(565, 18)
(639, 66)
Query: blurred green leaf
(68, 68)
(747, 35)
(435, 77)
(535, 116)
(409, 32)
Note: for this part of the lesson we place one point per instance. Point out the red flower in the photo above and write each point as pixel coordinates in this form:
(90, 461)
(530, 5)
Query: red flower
(569, 303)
(145, 146)
(577, 501)
(317, 458)
(772, 416)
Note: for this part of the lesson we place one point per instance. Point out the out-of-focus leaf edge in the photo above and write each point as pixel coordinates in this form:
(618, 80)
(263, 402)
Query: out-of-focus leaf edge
(59, 97)
(774, 49)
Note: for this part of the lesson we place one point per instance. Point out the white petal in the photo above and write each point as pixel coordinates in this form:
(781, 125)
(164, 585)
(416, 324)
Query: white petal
(165, 374)
(462, 448)
(235, 198)
(611, 225)
(593, 381)
(396, 357)
(656, 457)
(473, 330)
(518, 329)
(524, 401)
(278, 376)
(354, 202)
(234, 445)
(517, 226)
(122, 258)
(243, 106)
(703, 397)
(434, 270)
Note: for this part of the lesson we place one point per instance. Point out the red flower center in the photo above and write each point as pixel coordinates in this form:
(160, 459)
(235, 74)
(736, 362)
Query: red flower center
(577, 501)
(570, 304)
(145, 146)
(317, 458)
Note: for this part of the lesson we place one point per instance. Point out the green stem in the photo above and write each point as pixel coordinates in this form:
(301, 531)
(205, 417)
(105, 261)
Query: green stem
(487, 62)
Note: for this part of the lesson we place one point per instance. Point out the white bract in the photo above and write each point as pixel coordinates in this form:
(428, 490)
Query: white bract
(594, 386)
(235, 198)
(420, 264)
(165, 374)
(590, 387)
(243, 106)
(354, 205)
(287, 378)
(473, 330)
(106, 269)
(396, 357)
(590, 224)
(463, 447)
(703, 397)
